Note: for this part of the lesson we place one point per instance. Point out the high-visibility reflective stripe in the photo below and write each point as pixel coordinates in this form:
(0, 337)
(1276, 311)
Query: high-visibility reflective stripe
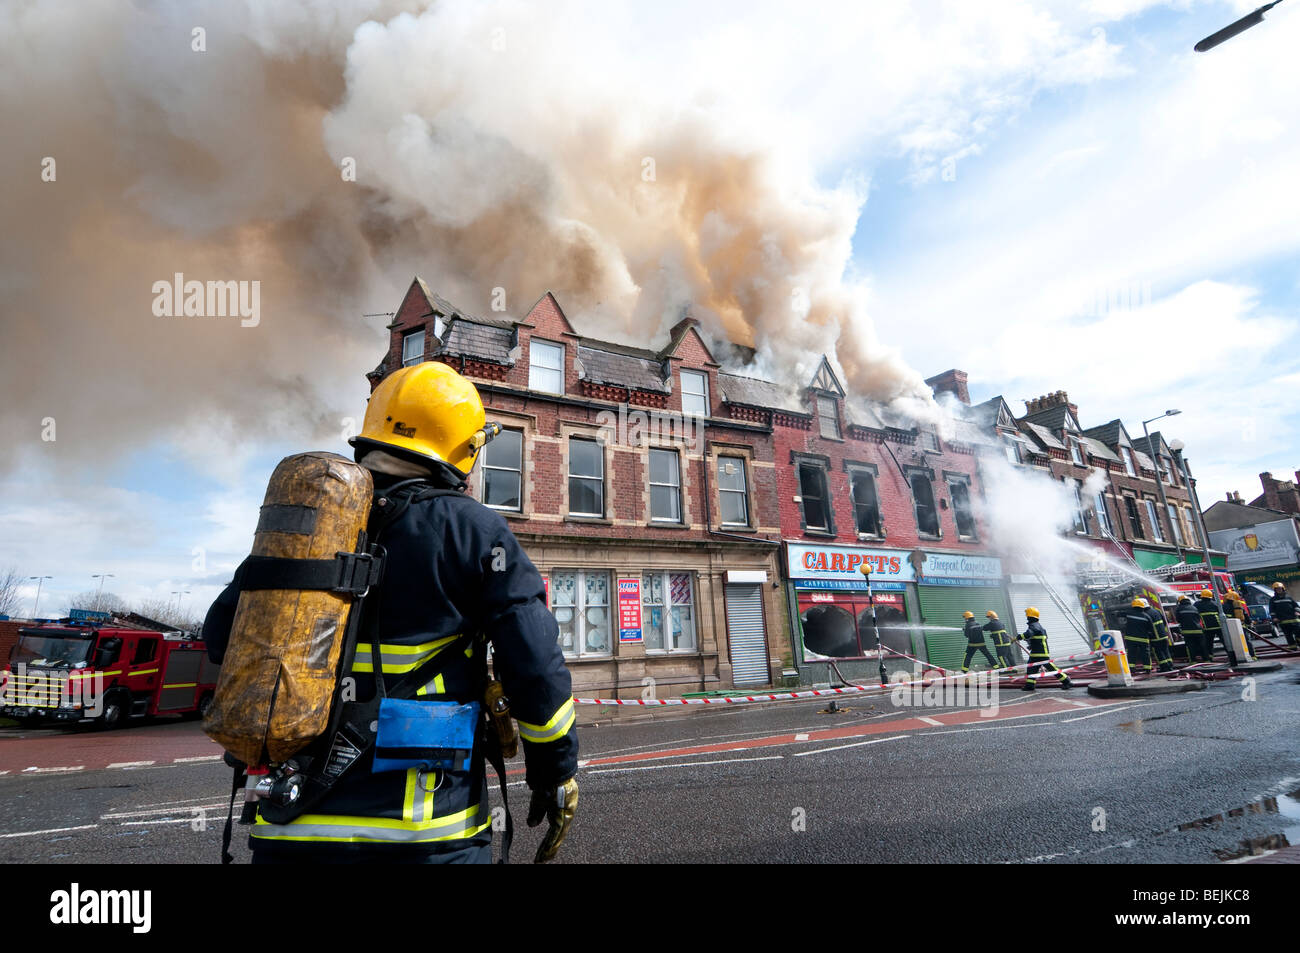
(147, 671)
(182, 685)
(398, 658)
(436, 687)
(93, 674)
(557, 727)
(377, 830)
(1133, 638)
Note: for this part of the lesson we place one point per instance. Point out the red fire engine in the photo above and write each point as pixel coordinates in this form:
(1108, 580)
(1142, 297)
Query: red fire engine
(104, 673)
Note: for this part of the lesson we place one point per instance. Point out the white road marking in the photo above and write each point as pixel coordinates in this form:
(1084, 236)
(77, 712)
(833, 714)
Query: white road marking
(188, 800)
(1111, 710)
(55, 830)
(802, 736)
(689, 764)
(213, 806)
(856, 744)
(174, 820)
(930, 721)
(203, 757)
(79, 767)
(131, 764)
(959, 731)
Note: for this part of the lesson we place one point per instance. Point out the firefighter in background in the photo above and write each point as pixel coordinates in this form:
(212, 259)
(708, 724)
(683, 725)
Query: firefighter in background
(1001, 639)
(1162, 646)
(453, 568)
(974, 642)
(1283, 610)
(1234, 607)
(1193, 630)
(1139, 633)
(1039, 658)
(1208, 610)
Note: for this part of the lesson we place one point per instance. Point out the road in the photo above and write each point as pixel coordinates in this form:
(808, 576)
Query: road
(1053, 777)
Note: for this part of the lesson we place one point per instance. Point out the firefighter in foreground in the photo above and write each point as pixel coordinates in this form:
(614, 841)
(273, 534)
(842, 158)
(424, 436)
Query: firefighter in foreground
(974, 642)
(1193, 630)
(1039, 657)
(455, 578)
(1284, 611)
(1001, 640)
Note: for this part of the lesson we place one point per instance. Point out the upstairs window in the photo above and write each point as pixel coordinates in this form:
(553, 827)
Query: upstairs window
(1103, 515)
(586, 478)
(961, 508)
(1134, 520)
(502, 471)
(545, 367)
(412, 347)
(695, 393)
(866, 504)
(812, 489)
(665, 486)
(927, 516)
(828, 413)
(1076, 452)
(733, 496)
(1154, 517)
(1127, 456)
(1012, 448)
(1080, 519)
(1173, 523)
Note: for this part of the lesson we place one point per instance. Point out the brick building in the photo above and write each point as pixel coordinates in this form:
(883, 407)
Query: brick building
(633, 483)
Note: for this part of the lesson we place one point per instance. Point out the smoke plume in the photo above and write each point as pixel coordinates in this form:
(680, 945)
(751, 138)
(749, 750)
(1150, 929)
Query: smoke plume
(329, 151)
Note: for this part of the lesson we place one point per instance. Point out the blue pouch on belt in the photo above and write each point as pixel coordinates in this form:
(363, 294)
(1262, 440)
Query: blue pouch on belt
(428, 735)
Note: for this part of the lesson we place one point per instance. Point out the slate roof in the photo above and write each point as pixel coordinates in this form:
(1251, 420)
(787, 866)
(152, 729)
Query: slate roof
(1107, 433)
(485, 342)
(754, 392)
(1042, 435)
(1053, 418)
(1143, 461)
(621, 368)
(1098, 449)
(450, 311)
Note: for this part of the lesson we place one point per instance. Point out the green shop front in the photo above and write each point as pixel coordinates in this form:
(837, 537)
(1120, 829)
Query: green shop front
(918, 597)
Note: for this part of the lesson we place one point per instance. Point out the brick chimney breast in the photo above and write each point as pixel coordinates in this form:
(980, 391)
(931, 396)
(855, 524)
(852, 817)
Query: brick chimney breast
(951, 382)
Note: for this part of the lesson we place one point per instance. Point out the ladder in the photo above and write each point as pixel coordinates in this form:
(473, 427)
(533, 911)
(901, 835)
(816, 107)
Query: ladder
(1064, 606)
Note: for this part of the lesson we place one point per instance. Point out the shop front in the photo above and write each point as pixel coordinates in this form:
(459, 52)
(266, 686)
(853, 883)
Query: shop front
(918, 598)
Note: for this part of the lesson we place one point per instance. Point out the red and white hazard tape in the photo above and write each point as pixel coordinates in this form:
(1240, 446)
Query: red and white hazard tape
(813, 692)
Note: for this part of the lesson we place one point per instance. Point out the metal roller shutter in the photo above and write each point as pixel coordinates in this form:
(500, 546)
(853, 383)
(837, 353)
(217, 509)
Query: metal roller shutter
(1062, 637)
(944, 605)
(745, 635)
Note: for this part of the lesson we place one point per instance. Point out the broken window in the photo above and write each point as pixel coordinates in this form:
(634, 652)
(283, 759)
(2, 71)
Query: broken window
(927, 516)
(866, 505)
(812, 489)
(1130, 505)
(1103, 515)
(1154, 517)
(959, 491)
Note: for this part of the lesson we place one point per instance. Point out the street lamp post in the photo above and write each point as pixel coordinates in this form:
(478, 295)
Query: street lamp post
(99, 593)
(1160, 484)
(178, 593)
(37, 604)
(1251, 19)
(1177, 448)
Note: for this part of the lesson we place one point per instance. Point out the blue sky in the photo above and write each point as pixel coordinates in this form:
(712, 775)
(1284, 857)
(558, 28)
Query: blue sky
(1015, 163)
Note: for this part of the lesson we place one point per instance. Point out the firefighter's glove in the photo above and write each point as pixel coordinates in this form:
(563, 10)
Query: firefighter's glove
(556, 805)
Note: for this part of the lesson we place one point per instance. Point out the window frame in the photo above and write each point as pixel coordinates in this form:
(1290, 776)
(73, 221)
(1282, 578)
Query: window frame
(1130, 461)
(411, 336)
(1104, 525)
(819, 468)
(571, 476)
(744, 492)
(703, 395)
(1076, 452)
(1173, 512)
(666, 628)
(869, 471)
(1153, 514)
(580, 607)
(952, 481)
(928, 478)
(675, 487)
(1134, 516)
(533, 352)
(828, 412)
(486, 467)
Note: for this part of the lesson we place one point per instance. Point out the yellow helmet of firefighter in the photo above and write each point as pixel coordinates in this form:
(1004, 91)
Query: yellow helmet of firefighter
(1207, 594)
(429, 411)
(991, 614)
(1139, 603)
(1278, 586)
(1182, 599)
(968, 614)
(1031, 613)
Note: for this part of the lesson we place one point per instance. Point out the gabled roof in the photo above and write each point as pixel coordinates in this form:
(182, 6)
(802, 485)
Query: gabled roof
(1098, 449)
(1053, 418)
(1108, 433)
(994, 412)
(825, 379)
(1156, 447)
(449, 311)
(1143, 461)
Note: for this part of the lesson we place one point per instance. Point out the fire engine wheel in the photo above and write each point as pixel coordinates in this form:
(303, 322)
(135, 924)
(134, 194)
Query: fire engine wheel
(114, 713)
(204, 704)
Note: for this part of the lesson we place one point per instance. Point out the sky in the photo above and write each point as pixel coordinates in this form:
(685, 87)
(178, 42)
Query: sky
(1050, 196)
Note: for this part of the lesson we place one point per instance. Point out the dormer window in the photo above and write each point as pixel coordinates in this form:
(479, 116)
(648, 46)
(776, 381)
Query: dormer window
(828, 413)
(695, 393)
(1127, 456)
(412, 347)
(545, 367)
(1076, 452)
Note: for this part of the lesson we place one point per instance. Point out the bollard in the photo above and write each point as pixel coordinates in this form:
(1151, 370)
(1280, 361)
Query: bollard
(1112, 650)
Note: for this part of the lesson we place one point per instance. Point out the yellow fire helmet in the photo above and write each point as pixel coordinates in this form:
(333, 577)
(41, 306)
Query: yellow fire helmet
(1206, 594)
(1031, 613)
(430, 411)
(1278, 585)
(968, 614)
(1139, 603)
(991, 614)
(1184, 599)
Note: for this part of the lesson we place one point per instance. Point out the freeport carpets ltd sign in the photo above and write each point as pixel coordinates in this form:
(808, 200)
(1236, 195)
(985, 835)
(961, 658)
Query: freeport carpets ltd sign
(840, 567)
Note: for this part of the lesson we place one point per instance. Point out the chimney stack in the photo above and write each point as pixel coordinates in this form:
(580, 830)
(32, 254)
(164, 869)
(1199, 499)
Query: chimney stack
(950, 382)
